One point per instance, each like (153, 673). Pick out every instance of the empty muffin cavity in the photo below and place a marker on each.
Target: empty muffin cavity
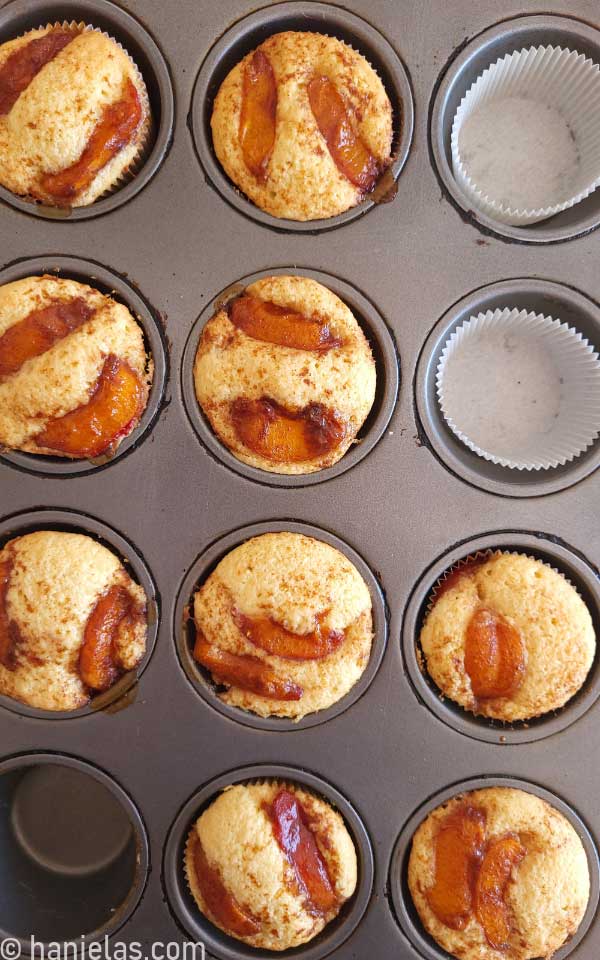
(90, 847)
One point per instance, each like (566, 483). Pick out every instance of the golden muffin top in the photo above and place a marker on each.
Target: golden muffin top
(268, 897)
(508, 637)
(74, 375)
(285, 375)
(284, 623)
(62, 595)
(80, 118)
(303, 126)
(528, 871)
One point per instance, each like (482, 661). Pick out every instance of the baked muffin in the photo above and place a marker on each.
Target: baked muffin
(303, 126)
(71, 620)
(74, 375)
(270, 863)
(508, 637)
(284, 624)
(74, 115)
(498, 872)
(285, 376)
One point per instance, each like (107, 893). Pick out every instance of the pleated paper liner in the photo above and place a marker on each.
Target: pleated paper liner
(526, 137)
(520, 389)
(146, 129)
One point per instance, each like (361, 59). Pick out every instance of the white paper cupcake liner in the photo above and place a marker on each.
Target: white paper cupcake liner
(520, 389)
(146, 126)
(526, 137)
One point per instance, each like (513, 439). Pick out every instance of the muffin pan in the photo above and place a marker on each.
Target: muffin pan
(106, 888)
(172, 501)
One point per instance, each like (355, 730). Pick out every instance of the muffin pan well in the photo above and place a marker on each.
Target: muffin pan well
(72, 522)
(184, 632)
(383, 347)
(489, 46)
(542, 547)
(112, 284)
(398, 885)
(325, 18)
(197, 926)
(402, 504)
(90, 848)
(540, 296)
(19, 16)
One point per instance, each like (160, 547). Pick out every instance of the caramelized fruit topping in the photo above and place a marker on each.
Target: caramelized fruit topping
(114, 406)
(115, 613)
(39, 330)
(8, 630)
(278, 434)
(290, 826)
(459, 849)
(223, 906)
(269, 635)
(114, 130)
(267, 321)
(19, 69)
(494, 655)
(258, 114)
(502, 856)
(351, 156)
(244, 672)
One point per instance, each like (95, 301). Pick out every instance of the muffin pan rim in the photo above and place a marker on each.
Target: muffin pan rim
(576, 568)
(373, 324)
(125, 22)
(398, 893)
(61, 519)
(173, 875)
(33, 758)
(206, 562)
(442, 90)
(439, 438)
(243, 28)
(67, 266)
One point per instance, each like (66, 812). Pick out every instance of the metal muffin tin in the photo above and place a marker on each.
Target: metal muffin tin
(412, 503)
